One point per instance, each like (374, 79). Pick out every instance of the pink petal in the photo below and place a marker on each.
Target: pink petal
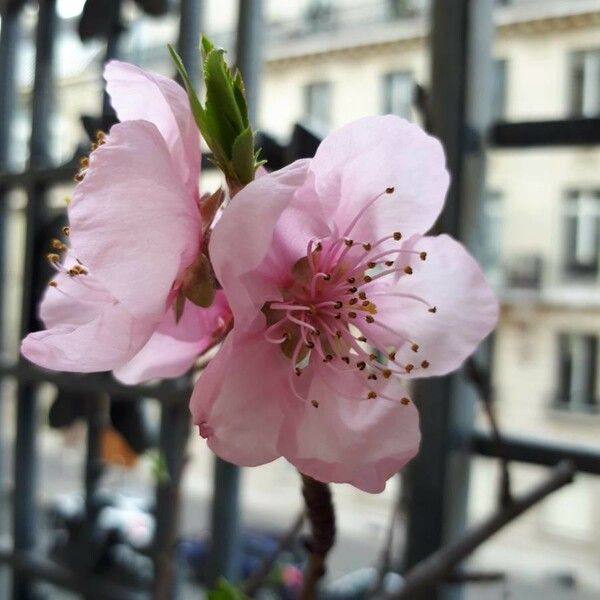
(467, 308)
(133, 225)
(138, 94)
(237, 401)
(173, 348)
(87, 329)
(359, 161)
(248, 232)
(361, 442)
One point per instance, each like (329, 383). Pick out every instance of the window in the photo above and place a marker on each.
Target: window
(398, 94)
(317, 105)
(320, 15)
(585, 83)
(498, 107)
(582, 224)
(577, 388)
(490, 232)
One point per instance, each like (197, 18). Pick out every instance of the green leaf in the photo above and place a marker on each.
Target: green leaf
(226, 591)
(243, 156)
(158, 466)
(221, 101)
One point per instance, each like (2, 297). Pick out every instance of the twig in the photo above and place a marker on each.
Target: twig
(475, 577)
(481, 381)
(253, 583)
(439, 565)
(321, 516)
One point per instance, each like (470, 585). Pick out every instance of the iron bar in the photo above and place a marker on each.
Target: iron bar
(567, 132)
(175, 417)
(437, 480)
(225, 530)
(536, 452)
(25, 466)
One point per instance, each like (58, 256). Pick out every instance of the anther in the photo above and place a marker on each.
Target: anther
(346, 359)
(367, 278)
(371, 265)
(349, 243)
(397, 235)
(327, 277)
(404, 401)
(362, 338)
(58, 245)
(409, 367)
(423, 255)
(372, 376)
(433, 309)
(372, 356)
(415, 347)
(338, 304)
(84, 162)
(361, 365)
(366, 303)
(351, 280)
(369, 319)
(100, 136)
(371, 395)
(328, 358)
(53, 257)
(78, 178)
(389, 190)
(317, 332)
(392, 356)
(53, 283)
(310, 344)
(425, 364)
(408, 270)
(314, 403)
(338, 334)
(353, 301)
(338, 316)
(389, 263)
(386, 373)
(298, 371)
(362, 295)
(318, 247)
(66, 230)
(367, 246)
(352, 314)
(352, 290)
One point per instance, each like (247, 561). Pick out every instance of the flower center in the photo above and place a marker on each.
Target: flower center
(329, 310)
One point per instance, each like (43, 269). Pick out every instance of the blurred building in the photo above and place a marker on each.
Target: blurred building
(328, 62)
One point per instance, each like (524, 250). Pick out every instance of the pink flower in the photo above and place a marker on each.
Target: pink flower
(134, 229)
(337, 297)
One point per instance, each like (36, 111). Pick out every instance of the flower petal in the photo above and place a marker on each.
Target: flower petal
(356, 163)
(173, 348)
(359, 442)
(466, 307)
(248, 232)
(87, 329)
(133, 225)
(237, 401)
(138, 94)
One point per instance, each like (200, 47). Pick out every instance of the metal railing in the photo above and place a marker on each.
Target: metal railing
(437, 481)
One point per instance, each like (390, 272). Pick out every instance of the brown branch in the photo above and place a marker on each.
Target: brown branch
(253, 583)
(437, 567)
(321, 516)
(481, 381)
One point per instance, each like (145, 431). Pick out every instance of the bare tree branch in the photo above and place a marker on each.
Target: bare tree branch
(440, 564)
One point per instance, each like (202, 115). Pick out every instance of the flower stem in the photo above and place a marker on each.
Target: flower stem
(321, 516)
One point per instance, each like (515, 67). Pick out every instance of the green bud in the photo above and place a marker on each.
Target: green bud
(223, 120)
